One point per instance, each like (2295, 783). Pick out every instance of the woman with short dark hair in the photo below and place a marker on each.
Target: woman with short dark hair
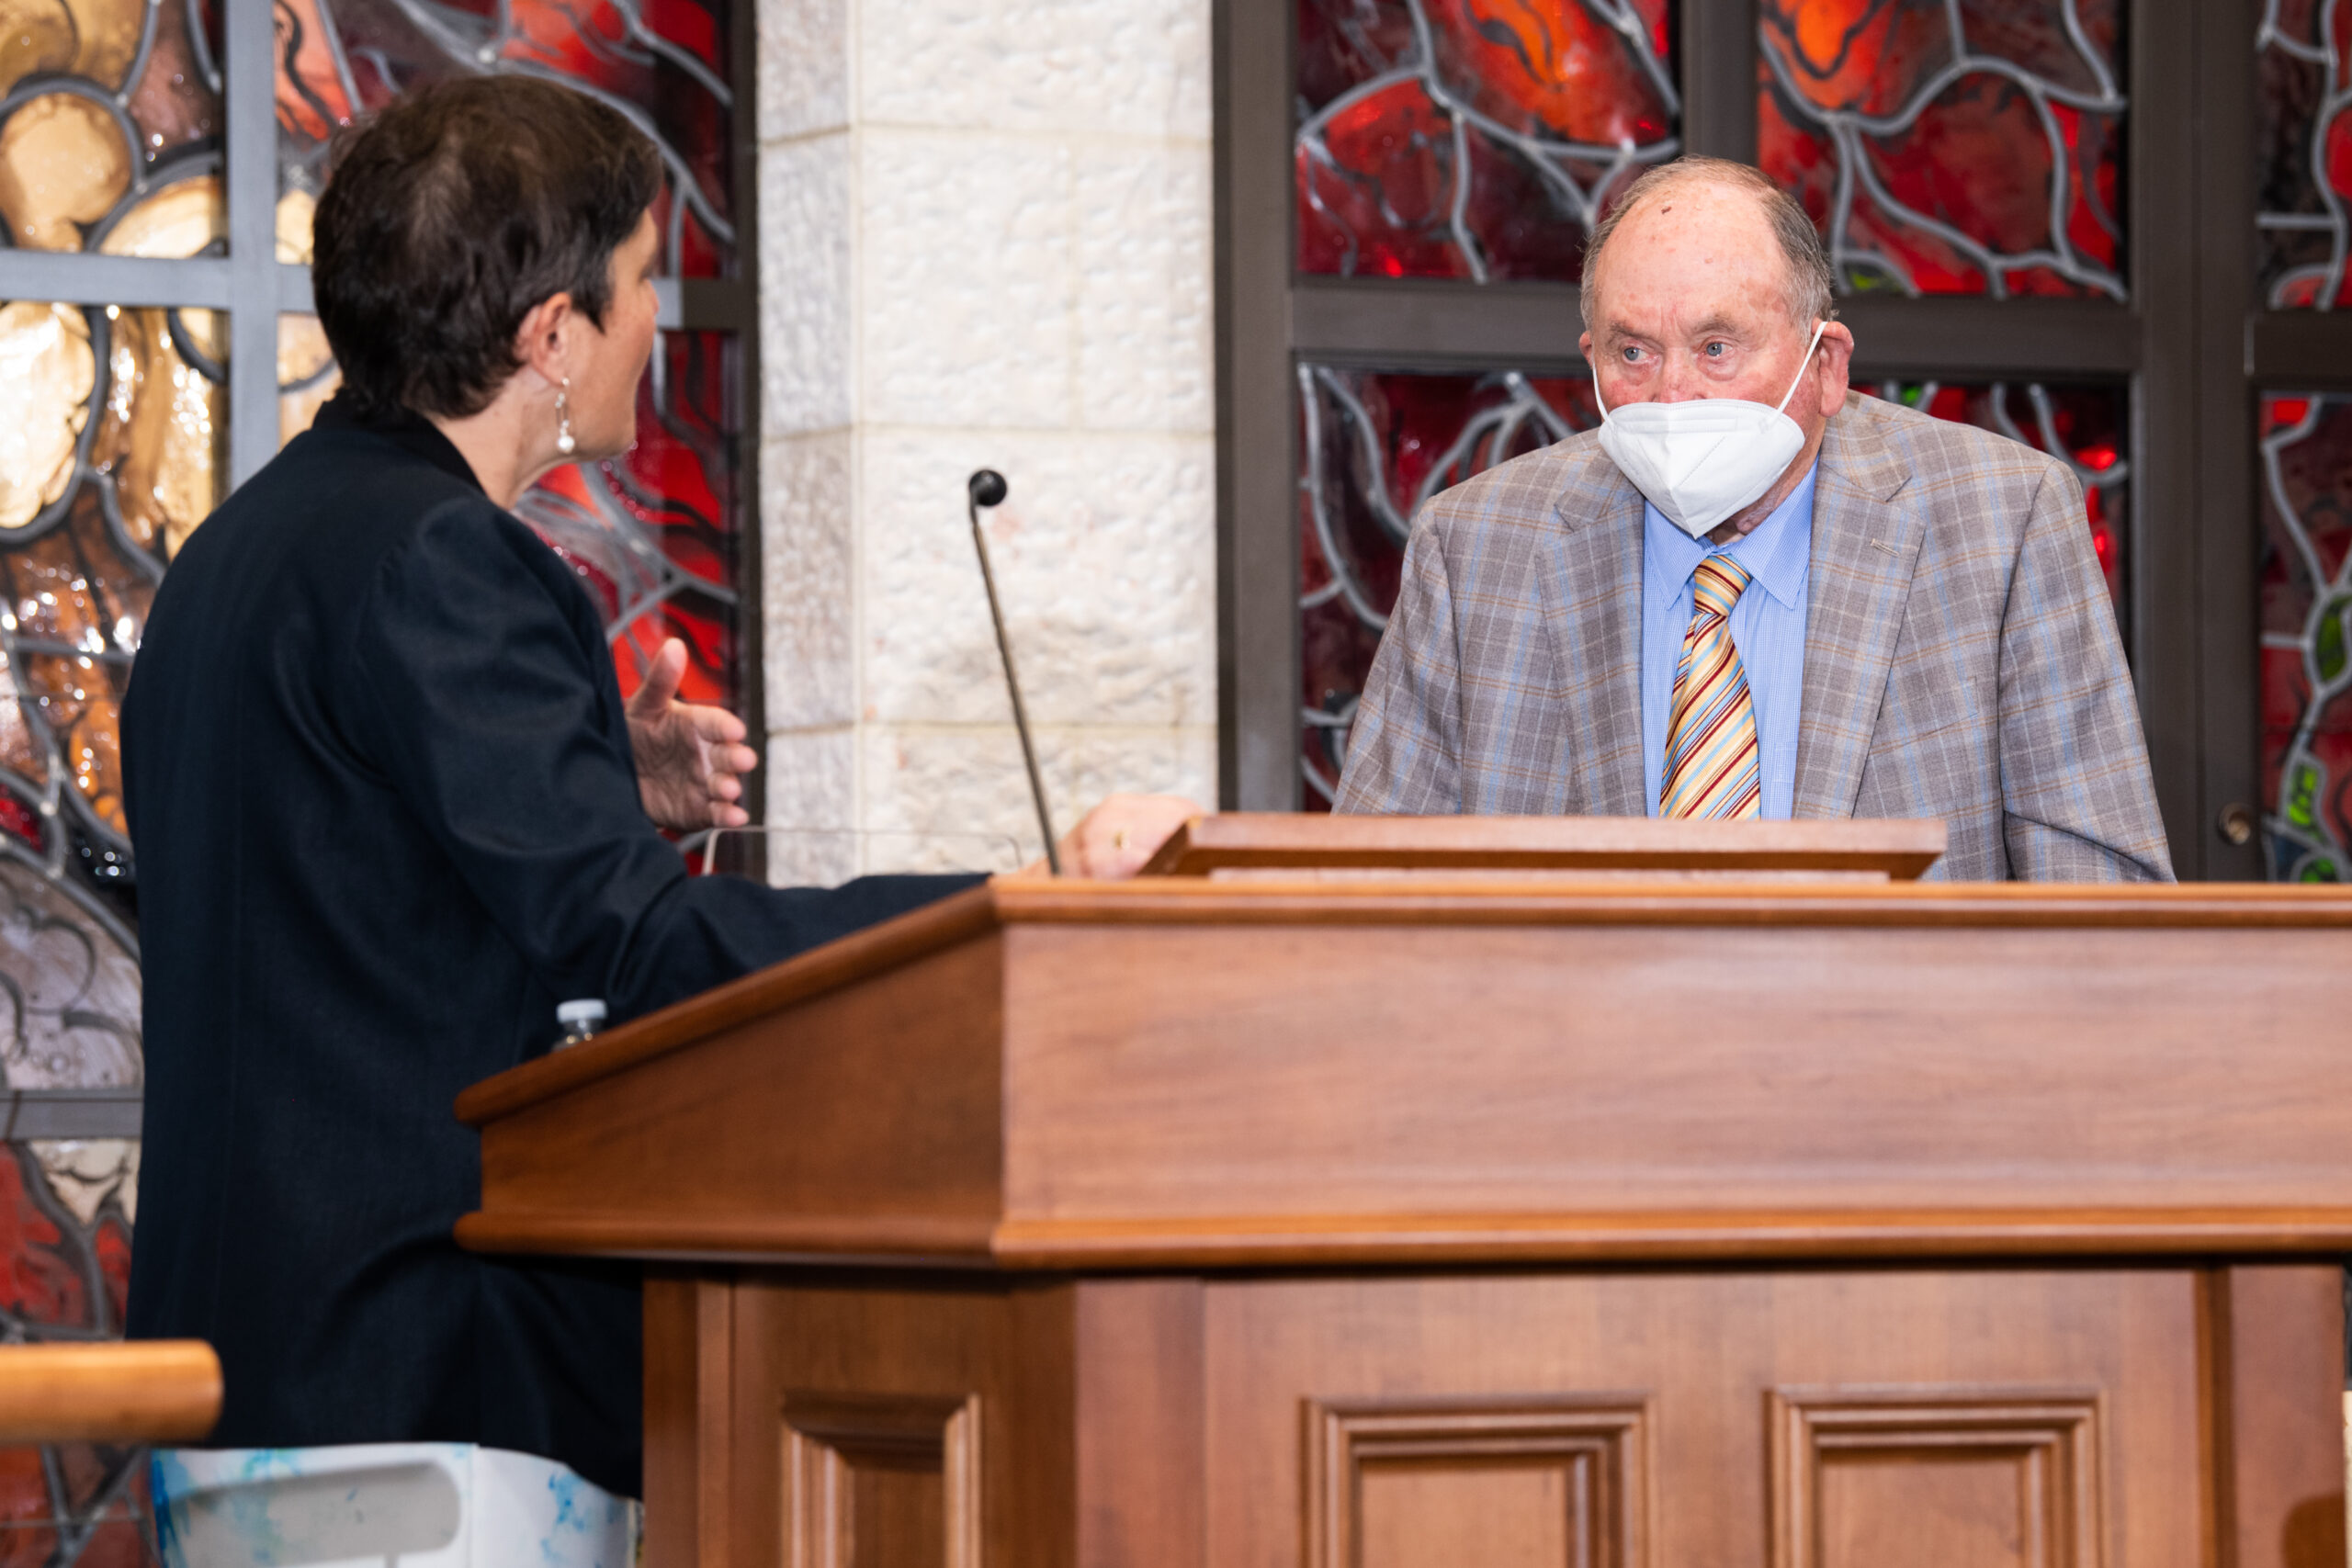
(389, 811)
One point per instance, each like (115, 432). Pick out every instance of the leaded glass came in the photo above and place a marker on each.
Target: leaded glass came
(1951, 146)
(1472, 138)
(2303, 109)
(2306, 583)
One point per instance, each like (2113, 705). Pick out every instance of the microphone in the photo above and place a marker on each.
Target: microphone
(987, 488)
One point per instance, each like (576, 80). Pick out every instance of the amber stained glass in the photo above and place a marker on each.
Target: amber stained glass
(2303, 148)
(1374, 445)
(1951, 146)
(1472, 138)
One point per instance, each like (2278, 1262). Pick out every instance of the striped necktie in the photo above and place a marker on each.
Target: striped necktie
(1711, 734)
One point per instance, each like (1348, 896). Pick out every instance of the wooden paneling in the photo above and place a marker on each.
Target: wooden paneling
(1200, 1093)
(934, 1418)
(1968, 1385)
(1141, 1442)
(867, 1123)
(689, 1389)
(2000, 1478)
(1525, 1482)
(2279, 1345)
(1177, 1073)
(881, 1482)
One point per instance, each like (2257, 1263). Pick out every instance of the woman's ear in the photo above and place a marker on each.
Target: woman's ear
(543, 343)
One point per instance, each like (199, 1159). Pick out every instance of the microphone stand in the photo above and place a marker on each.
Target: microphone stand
(987, 488)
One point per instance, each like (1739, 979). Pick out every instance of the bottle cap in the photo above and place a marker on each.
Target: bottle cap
(581, 1009)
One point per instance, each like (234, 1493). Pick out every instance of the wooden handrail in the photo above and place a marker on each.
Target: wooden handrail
(147, 1390)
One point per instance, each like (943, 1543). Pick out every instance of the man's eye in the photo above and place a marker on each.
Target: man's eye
(1631, 355)
(1716, 350)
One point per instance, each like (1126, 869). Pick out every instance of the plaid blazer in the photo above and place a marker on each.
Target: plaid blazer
(1960, 655)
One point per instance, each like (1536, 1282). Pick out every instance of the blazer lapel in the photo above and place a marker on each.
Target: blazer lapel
(1590, 578)
(1864, 548)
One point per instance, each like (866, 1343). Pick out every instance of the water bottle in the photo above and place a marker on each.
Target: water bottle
(581, 1018)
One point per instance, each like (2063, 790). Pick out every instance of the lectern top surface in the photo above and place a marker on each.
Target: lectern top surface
(1257, 842)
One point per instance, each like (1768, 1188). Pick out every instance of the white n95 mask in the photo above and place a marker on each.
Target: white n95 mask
(1701, 461)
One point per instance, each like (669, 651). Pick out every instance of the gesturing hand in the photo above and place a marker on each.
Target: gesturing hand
(690, 757)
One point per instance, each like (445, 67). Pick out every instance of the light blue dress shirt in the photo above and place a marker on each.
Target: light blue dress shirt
(1767, 626)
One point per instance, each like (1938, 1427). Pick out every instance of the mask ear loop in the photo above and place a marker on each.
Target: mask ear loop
(1783, 406)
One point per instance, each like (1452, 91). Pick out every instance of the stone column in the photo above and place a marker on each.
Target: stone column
(984, 231)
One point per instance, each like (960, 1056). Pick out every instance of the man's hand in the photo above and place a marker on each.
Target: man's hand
(690, 759)
(1112, 841)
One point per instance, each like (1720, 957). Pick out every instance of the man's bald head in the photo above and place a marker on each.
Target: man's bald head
(1805, 263)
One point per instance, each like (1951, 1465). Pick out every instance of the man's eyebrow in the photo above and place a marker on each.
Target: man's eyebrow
(1719, 326)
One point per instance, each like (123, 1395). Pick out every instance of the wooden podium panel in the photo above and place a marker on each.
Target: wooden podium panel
(1437, 1219)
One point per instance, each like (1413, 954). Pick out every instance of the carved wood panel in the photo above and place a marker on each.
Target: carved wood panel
(1549, 1482)
(1999, 1478)
(881, 1482)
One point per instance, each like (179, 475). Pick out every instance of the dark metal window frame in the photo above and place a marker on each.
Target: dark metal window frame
(255, 288)
(2193, 344)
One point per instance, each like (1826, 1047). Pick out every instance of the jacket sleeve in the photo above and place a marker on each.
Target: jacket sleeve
(1404, 756)
(500, 726)
(2078, 801)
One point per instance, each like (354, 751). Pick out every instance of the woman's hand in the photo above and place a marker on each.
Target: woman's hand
(690, 757)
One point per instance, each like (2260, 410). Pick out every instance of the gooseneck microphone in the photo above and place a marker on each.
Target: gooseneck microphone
(987, 488)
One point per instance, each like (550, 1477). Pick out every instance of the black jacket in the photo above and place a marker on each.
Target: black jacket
(381, 791)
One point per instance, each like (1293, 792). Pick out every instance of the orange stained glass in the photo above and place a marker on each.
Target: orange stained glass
(1951, 146)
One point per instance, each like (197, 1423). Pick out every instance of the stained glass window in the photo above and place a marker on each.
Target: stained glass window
(655, 534)
(1374, 445)
(115, 441)
(2303, 144)
(1472, 138)
(2084, 426)
(1951, 146)
(2306, 584)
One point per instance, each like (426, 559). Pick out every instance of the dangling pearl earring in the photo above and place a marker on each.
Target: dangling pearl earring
(563, 441)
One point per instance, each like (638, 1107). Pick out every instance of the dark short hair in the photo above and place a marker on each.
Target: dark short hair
(453, 213)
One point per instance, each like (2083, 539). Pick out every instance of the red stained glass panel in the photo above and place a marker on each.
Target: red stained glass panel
(1472, 138)
(2303, 147)
(662, 62)
(2306, 475)
(652, 534)
(1374, 445)
(1951, 146)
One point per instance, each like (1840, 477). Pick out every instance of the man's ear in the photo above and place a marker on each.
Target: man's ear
(543, 343)
(1836, 351)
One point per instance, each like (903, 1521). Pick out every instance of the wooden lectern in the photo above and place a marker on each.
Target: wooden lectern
(1372, 1193)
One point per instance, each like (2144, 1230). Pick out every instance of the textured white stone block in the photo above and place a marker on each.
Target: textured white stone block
(1146, 357)
(804, 67)
(812, 807)
(1105, 558)
(939, 800)
(808, 584)
(807, 332)
(965, 280)
(1124, 67)
(931, 792)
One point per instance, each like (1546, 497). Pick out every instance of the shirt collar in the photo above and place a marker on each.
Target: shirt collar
(1776, 552)
(404, 428)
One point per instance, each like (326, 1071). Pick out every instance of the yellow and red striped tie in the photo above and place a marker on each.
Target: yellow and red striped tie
(1710, 768)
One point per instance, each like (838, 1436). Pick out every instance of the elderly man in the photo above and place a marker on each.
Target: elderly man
(1755, 593)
